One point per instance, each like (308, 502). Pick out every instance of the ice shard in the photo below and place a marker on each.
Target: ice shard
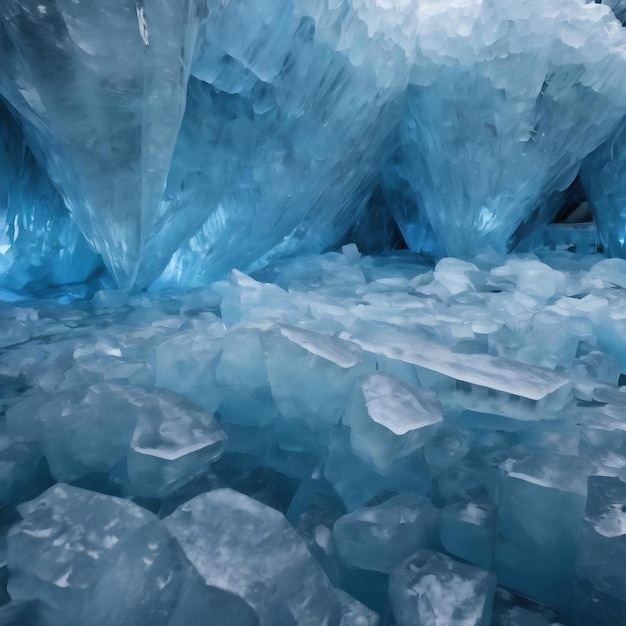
(101, 91)
(40, 245)
(286, 129)
(505, 100)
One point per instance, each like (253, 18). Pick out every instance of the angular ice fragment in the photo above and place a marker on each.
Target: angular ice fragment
(378, 538)
(480, 382)
(165, 439)
(540, 506)
(186, 362)
(603, 545)
(249, 550)
(311, 377)
(357, 482)
(431, 588)
(493, 102)
(353, 613)
(389, 419)
(468, 530)
(96, 559)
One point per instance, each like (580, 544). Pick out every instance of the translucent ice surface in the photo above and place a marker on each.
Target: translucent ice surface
(40, 244)
(246, 549)
(430, 587)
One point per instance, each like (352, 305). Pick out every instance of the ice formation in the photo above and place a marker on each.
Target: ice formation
(224, 391)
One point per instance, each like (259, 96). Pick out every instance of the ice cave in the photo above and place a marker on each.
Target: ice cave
(312, 313)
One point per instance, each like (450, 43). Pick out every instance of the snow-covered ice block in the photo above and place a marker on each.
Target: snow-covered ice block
(165, 439)
(378, 538)
(96, 559)
(250, 551)
(481, 382)
(389, 419)
(430, 587)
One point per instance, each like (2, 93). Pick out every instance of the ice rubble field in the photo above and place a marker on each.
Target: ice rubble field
(216, 408)
(439, 441)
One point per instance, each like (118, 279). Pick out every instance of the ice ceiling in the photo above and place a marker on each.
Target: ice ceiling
(227, 390)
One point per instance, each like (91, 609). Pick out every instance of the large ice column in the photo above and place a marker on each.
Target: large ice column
(604, 176)
(101, 89)
(505, 100)
(39, 242)
(290, 116)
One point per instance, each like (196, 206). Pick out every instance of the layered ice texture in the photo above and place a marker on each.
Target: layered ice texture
(188, 139)
(205, 412)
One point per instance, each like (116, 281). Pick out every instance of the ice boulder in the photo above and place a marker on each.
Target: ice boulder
(497, 92)
(431, 588)
(157, 439)
(378, 538)
(250, 551)
(96, 559)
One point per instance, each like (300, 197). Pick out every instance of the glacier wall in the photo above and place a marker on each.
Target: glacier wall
(189, 139)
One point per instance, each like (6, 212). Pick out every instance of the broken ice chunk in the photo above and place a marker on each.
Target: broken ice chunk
(353, 613)
(245, 548)
(242, 374)
(378, 538)
(480, 382)
(173, 442)
(468, 530)
(602, 549)
(186, 362)
(357, 482)
(389, 419)
(311, 375)
(98, 560)
(431, 588)
(166, 439)
(540, 505)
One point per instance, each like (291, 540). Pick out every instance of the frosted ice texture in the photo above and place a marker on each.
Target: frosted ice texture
(287, 124)
(249, 550)
(432, 588)
(39, 243)
(96, 559)
(498, 90)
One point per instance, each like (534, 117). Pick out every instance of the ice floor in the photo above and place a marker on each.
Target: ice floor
(340, 439)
